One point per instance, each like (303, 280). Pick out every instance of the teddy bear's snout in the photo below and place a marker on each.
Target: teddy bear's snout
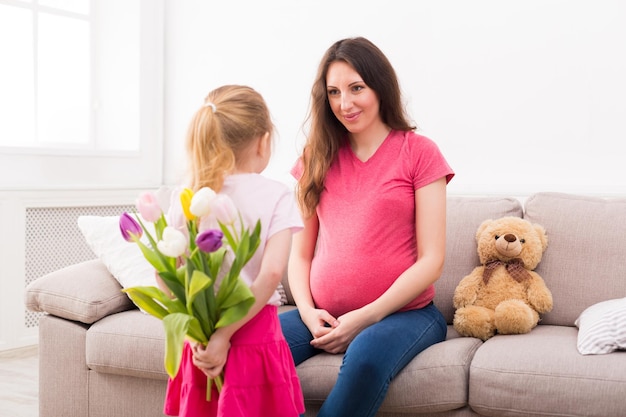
(509, 237)
(508, 245)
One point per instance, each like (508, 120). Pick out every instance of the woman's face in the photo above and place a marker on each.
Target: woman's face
(353, 103)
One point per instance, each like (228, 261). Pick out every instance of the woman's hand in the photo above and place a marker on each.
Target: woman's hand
(212, 357)
(319, 322)
(337, 338)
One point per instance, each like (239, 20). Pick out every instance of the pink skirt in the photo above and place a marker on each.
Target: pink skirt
(260, 378)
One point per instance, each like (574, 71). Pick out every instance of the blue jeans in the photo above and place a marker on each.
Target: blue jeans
(373, 358)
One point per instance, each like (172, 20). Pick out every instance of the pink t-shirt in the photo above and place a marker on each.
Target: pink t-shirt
(367, 221)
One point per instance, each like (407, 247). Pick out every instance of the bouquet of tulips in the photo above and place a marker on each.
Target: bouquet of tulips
(199, 260)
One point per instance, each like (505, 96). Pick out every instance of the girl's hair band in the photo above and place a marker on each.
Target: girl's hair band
(211, 105)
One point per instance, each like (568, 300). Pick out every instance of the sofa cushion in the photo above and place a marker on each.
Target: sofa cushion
(130, 343)
(584, 262)
(83, 292)
(542, 373)
(464, 215)
(413, 390)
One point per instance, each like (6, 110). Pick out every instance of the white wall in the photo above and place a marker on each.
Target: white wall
(522, 96)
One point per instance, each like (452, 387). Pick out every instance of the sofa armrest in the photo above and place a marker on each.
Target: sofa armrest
(84, 292)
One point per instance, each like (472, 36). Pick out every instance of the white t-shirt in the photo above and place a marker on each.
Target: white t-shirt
(258, 197)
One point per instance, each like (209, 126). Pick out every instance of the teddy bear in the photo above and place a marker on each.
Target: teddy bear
(504, 294)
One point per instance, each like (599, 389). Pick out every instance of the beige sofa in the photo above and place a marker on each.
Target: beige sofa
(101, 357)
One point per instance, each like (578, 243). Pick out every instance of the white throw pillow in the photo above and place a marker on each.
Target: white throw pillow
(123, 259)
(602, 327)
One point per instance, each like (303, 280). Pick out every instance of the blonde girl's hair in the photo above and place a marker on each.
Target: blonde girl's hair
(326, 133)
(221, 130)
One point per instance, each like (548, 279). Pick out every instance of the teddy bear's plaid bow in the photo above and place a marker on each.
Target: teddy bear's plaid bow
(514, 267)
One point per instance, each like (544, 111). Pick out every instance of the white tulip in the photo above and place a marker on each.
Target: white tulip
(173, 244)
(201, 202)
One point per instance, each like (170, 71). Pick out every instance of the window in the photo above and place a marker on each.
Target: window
(81, 89)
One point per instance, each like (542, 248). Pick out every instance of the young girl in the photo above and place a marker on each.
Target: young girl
(228, 145)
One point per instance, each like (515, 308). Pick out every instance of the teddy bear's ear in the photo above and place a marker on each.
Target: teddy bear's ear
(482, 227)
(543, 237)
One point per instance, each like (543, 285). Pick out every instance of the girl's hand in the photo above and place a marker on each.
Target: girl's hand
(212, 357)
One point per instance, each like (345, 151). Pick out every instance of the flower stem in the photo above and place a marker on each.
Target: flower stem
(219, 382)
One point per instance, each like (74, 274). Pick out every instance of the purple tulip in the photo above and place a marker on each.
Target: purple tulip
(130, 228)
(210, 240)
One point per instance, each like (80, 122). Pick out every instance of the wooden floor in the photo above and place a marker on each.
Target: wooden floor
(19, 371)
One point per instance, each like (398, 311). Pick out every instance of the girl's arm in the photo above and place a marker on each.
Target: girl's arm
(212, 358)
(430, 224)
(302, 252)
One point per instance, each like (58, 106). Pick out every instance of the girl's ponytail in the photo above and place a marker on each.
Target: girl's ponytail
(220, 131)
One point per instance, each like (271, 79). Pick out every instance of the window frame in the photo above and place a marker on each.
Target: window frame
(72, 167)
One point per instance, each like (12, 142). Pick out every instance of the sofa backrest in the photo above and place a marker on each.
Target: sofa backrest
(585, 261)
(464, 215)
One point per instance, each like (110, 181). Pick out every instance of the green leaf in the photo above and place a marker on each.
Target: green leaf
(205, 312)
(152, 256)
(215, 261)
(159, 226)
(197, 285)
(234, 313)
(173, 281)
(235, 304)
(146, 302)
(154, 301)
(199, 282)
(195, 332)
(240, 256)
(176, 326)
(228, 235)
(192, 228)
(240, 292)
(255, 240)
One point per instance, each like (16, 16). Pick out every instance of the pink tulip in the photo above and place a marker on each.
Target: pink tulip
(148, 206)
(224, 210)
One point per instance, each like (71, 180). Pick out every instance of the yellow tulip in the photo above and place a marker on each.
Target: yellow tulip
(185, 200)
